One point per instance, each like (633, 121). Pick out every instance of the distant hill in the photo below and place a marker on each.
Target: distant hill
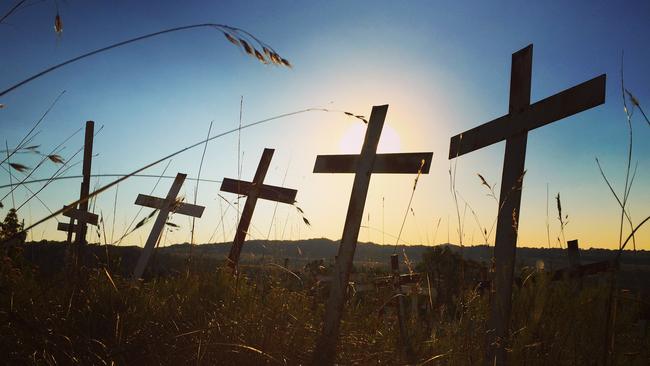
(50, 257)
(378, 255)
(372, 253)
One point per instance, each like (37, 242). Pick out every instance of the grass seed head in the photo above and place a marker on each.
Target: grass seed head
(19, 167)
(260, 57)
(232, 39)
(285, 62)
(247, 47)
(58, 24)
(483, 181)
(55, 158)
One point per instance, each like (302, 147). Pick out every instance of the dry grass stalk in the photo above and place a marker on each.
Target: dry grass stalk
(562, 219)
(228, 31)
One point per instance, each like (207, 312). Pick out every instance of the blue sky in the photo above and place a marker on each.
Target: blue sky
(443, 67)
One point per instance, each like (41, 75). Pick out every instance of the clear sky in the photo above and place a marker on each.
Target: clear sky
(443, 67)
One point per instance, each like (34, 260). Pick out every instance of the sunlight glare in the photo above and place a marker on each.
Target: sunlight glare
(352, 140)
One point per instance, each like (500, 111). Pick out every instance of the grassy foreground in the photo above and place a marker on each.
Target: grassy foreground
(268, 316)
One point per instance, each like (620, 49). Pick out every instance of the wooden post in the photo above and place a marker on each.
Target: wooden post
(509, 202)
(404, 340)
(513, 127)
(166, 205)
(80, 237)
(253, 190)
(573, 253)
(363, 166)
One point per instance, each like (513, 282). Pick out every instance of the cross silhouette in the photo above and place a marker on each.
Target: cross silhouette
(165, 205)
(81, 218)
(514, 127)
(363, 166)
(253, 190)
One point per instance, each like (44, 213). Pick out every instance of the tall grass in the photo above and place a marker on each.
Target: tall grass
(209, 317)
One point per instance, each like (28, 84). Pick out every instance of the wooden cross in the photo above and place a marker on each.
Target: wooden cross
(253, 190)
(362, 166)
(514, 127)
(81, 214)
(165, 205)
(578, 270)
(81, 218)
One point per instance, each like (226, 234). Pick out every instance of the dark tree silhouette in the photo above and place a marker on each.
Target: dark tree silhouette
(12, 229)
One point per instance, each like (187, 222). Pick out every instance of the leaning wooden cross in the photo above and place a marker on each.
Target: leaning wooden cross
(166, 206)
(253, 190)
(513, 128)
(81, 214)
(363, 166)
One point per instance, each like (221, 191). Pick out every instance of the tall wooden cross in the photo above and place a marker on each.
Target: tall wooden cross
(514, 127)
(165, 205)
(81, 214)
(253, 190)
(362, 166)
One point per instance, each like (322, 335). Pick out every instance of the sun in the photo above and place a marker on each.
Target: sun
(352, 139)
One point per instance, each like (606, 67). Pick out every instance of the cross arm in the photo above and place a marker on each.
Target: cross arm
(267, 192)
(566, 103)
(64, 226)
(81, 216)
(159, 203)
(403, 163)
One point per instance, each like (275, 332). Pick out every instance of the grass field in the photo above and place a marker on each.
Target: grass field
(199, 314)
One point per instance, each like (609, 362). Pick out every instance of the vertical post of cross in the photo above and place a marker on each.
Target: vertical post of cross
(85, 183)
(80, 228)
(326, 346)
(510, 200)
(80, 237)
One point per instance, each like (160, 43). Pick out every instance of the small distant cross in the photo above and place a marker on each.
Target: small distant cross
(362, 166)
(514, 127)
(253, 190)
(81, 218)
(165, 205)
